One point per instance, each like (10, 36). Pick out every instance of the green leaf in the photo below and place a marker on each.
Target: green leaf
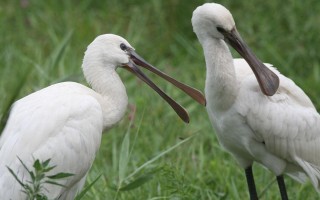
(24, 165)
(142, 179)
(54, 183)
(48, 169)
(41, 197)
(15, 176)
(137, 182)
(41, 176)
(32, 176)
(37, 165)
(86, 189)
(46, 163)
(28, 189)
(60, 175)
(124, 156)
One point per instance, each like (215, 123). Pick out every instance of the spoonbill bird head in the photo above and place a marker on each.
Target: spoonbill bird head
(213, 21)
(106, 49)
(208, 17)
(114, 51)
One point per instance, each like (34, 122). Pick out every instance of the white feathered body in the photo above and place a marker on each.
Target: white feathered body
(282, 131)
(63, 123)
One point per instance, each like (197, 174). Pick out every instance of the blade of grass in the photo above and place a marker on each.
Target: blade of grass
(124, 156)
(159, 156)
(86, 189)
(14, 95)
(60, 175)
(137, 133)
(58, 52)
(266, 188)
(15, 176)
(144, 178)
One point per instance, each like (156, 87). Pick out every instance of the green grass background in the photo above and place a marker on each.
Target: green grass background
(42, 42)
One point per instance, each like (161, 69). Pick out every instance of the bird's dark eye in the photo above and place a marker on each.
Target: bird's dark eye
(123, 47)
(220, 29)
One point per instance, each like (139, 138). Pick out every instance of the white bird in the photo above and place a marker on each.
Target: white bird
(274, 125)
(64, 121)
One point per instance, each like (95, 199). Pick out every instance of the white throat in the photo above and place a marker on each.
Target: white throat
(221, 84)
(110, 91)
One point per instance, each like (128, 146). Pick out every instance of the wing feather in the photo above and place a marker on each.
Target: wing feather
(51, 123)
(287, 123)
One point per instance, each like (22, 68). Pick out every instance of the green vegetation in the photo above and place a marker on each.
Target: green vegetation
(35, 186)
(42, 42)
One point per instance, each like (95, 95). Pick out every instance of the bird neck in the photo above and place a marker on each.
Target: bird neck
(221, 83)
(110, 91)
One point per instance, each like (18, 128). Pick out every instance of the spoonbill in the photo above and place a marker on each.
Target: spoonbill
(258, 114)
(64, 122)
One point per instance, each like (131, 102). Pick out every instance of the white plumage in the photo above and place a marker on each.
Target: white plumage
(39, 129)
(64, 121)
(282, 132)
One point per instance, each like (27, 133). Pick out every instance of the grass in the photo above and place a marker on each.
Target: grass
(42, 42)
